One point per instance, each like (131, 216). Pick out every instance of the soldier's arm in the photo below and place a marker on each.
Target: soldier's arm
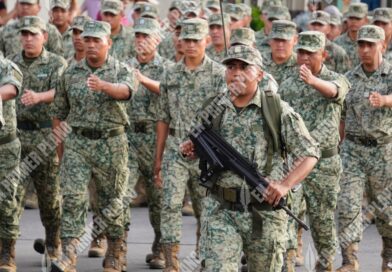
(8, 92)
(150, 84)
(30, 98)
(325, 88)
(162, 130)
(117, 91)
(59, 145)
(380, 101)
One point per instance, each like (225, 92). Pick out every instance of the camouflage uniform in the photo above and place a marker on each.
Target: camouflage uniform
(384, 15)
(357, 10)
(103, 157)
(10, 42)
(179, 89)
(227, 232)
(286, 30)
(141, 134)
(321, 116)
(10, 155)
(34, 125)
(244, 36)
(216, 19)
(366, 154)
(274, 13)
(166, 48)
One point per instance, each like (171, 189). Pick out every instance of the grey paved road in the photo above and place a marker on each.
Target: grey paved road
(141, 236)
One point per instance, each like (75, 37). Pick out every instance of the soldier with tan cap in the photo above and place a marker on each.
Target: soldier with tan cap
(59, 14)
(356, 18)
(336, 26)
(337, 59)
(77, 28)
(216, 50)
(9, 37)
(243, 36)
(382, 17)
(112, 12)
(213, 6)
(367, 151)
(237, 15)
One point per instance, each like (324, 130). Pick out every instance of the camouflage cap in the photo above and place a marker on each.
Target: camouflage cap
(357, 10)
(194, 29)
(283, 29)
(243, 36)
(29, 1)
(216, 19)
(33, 24)
(176, 4)
(279, 13)
(79, 21)
(246, 8)
(311, 41)
(146, 26)
(235, 11)
(213, 4)
(371, 33)
(149, 11)
(244, 53)
(179, 23)
(112, 6)
(96, 29)
(64, 4)
(335, 20)
(194, 10)
(267, 3)
(320, 17)
(383, 15)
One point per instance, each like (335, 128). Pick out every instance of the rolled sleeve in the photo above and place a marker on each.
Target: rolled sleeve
(127, 76)
(60, 107)
(163, 105)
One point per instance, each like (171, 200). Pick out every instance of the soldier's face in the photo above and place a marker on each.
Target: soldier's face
(77, 40)
(235, 24)
(354, 23)
(194, 48)
(96, 48)
(281, 48)
(60, 16)
(370, 52)
(386, 26)
(113, 19)
(242, 78)
(336, 30)
(177, 42)
(312, 60)
(33, 43)
(320, 27)
(25, 9)
(216, 34)
(173, 16)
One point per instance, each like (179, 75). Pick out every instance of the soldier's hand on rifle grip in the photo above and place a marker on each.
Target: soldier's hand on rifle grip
(274, 193)
(187, 149)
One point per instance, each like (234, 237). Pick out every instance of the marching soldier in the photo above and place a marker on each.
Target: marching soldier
(91, 97)
(367, 149)
(216, 50)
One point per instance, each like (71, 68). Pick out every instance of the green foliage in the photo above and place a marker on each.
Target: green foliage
(256, 23)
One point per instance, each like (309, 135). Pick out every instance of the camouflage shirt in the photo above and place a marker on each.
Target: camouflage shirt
(39, 76)
(184, 91)
(123, 46)
(68, 44)
(144, 102)
(262, 42)
(350, 47)
(321, 115)
(81, 107)
(166, 48)
(10, 39)
(337, 60)
(360, 117)
(216, 56)
(244, 130)
(280, 71)
(9, 74)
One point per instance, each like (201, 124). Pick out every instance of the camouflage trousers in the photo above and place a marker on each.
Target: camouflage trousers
(103, 161)
(141, 163)
(320, 191)
(37, 146)
(9, 183)
(297, 205)
(177, 174)
(226, 234)
(364, 168)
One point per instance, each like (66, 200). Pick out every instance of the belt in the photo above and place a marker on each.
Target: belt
(369, 142)
(236, 199)
(144, 127)
(328, 153)
(8, 138)
(30, 125)
(94, 134)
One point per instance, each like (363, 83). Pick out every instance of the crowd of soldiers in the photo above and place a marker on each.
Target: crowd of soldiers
(88, 107)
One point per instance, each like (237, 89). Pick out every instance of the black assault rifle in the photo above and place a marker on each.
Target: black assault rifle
(217, 155)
